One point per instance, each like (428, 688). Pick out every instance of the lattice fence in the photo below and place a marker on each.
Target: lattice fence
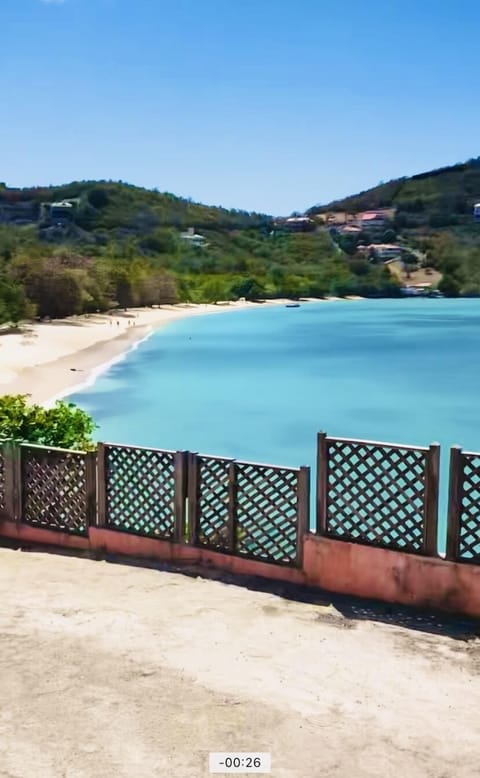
(213, 504)
(463, 541)
(379, 494)
(258, 511)
(267, 512)
(138, 490)
(2, 478)
(54, 489)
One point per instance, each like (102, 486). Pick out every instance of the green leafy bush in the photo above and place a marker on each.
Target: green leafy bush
(65, 425)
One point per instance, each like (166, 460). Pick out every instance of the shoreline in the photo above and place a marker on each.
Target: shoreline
(50, 361)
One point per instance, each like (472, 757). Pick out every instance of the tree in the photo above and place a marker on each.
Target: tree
(63, 426)
(13, 303)
(98, 197)
(450, 286)
(214, 290)
(56, 293)
(249, 288)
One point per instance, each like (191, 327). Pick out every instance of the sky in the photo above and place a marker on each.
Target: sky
(263, 105)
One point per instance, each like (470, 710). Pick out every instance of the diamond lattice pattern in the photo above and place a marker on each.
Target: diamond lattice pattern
(376, 494)
(469, 540)
(267, 500)
(140, 491)
(213, 503)
(2, 479)
(54, 489)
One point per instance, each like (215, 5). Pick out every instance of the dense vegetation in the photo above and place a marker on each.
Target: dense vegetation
(64, 425)
(123, 247)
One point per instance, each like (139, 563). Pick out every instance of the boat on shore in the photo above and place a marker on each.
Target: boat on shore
(292, 305)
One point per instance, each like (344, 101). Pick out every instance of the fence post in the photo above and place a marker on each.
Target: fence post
(430, 514)
(232, 507)
(180, 478)
(322, 484)
(9, 480)
(193, 488)
(13, 480)
(455, 496)
(91, 488)
(303, 511)
(102, 506)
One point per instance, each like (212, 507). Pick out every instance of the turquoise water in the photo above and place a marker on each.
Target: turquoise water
(258, 384)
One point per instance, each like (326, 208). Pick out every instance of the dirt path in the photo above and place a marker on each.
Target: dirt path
(109, 671)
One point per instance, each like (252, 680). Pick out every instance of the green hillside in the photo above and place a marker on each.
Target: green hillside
(114, 244)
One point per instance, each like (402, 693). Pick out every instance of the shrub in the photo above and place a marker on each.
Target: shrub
(65, 425)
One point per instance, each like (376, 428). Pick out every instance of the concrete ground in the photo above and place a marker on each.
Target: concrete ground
(111, 671)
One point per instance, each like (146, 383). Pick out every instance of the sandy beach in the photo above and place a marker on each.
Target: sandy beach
(48, 359)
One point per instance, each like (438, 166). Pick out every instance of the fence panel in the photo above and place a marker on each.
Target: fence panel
(3, 503)
(463, 532)
(57, 488)
(211, 505)
(267, 512)
(137, 491)
(247, 509)
(380, 494)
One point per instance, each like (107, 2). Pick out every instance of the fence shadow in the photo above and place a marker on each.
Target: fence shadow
(349, 609)
(346, 611)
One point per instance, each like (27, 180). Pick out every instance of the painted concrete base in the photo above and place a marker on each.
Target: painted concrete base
(392, 576)
(330, 565)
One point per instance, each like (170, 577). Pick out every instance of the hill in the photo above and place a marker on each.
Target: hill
(89, 246)
(432, 217)
(437, 198)
(109, 205)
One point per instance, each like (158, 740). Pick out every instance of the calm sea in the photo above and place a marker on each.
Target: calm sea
(258, 384)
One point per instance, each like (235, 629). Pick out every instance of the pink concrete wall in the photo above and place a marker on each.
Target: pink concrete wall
(392, 576)
(108, 541)
(331, 565)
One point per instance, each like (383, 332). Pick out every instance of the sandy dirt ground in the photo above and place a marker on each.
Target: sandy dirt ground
(113, 671)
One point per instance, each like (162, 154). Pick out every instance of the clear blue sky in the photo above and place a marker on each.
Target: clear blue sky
(259, 104)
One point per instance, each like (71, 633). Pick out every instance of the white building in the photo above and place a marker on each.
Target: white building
(476, 212)
(192, 237)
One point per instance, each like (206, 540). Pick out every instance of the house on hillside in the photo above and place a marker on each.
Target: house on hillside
(350, 229)
(299, 224)
(60, 213)
(386, 251)
(373, 222)
(339, 219)
(193, 238)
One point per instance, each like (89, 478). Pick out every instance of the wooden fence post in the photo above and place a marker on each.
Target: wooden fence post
(322, 484)
(102, 506)
(303, 511)
(8, 480)
(91, 488)
(455, 496)
(430, 513)
(193, 489)
(180, 478)
(232, 507)
(12, 480)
